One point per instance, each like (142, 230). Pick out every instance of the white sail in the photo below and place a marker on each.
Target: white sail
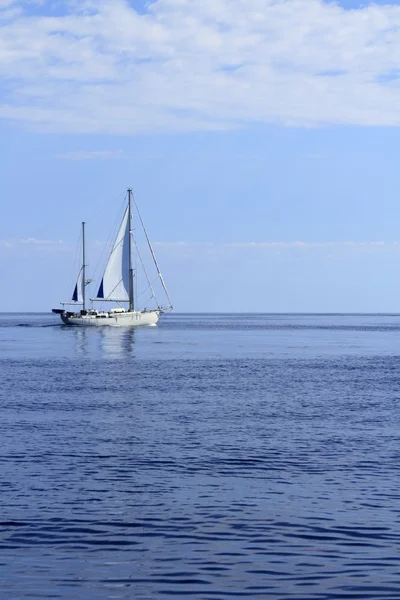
(77, 296)
(115, 282)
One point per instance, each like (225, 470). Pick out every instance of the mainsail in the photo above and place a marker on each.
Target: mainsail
(115, 281)
(77, 296)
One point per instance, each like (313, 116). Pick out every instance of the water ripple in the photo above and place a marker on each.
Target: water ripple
(178, 462)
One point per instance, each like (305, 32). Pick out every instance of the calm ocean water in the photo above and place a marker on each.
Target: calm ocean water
(212, 457)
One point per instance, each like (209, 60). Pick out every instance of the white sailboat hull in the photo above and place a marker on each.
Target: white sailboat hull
(125, 319)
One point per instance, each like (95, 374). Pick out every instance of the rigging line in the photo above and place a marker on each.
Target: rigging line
(117, 199)
(148, 288)
(135, 273)
(152, 253)
(112, 291)
(145, 272)
(76, 267)
(149, 300)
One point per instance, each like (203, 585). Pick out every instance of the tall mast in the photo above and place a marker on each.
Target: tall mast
(83, 267)
(131, 302)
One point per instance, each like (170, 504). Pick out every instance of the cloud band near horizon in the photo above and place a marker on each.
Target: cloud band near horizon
(50, 245)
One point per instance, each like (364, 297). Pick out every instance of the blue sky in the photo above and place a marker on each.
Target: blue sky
(261, 139)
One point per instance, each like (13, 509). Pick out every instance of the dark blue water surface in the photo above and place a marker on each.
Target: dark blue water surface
(211, 457)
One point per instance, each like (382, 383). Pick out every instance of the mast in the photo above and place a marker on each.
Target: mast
(83, 267)
(131, 302)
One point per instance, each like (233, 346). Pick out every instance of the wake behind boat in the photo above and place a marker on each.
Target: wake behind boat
(117, 285)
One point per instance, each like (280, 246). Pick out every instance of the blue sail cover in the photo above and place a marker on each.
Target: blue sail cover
(100, 293)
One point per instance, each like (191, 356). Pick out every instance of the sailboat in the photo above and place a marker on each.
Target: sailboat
(116, 285)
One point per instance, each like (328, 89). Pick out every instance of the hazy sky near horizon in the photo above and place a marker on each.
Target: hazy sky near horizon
(260, 137)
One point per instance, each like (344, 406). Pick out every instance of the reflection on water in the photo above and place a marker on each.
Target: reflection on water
(183, 337)
(81, 340)
(108, 342)
(117, 341)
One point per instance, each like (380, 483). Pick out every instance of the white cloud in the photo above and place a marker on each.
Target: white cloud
(193, 65)
(36, 241)
(8, 10)
(100, 154)
(247, 253)
(34, 244)
(204, 246)
(307, 244)
(265, 245)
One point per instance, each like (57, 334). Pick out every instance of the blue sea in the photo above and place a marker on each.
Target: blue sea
(212, 457)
